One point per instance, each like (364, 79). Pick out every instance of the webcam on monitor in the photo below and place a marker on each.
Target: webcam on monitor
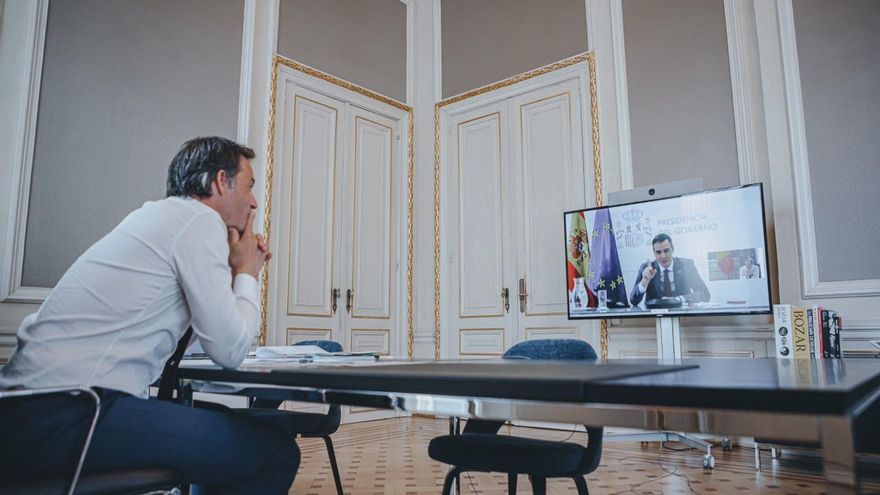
(656, 191)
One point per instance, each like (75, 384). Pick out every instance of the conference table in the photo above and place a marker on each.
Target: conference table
(832, 403)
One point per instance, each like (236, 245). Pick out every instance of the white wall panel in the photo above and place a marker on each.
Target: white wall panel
(295, 335)
(481, 341)
(371, 245)
(371, 340)
(312, 197)
(547, 179)
(552, 333)
(480, 219)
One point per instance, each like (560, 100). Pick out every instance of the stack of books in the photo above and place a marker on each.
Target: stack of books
(809, 333)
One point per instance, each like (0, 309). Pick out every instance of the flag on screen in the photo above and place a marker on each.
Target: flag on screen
(578, 249)
(604, 266)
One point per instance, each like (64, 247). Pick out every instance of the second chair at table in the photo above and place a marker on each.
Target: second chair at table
(479, 448)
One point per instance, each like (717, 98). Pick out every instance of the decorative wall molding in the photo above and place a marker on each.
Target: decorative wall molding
(289, 72)
(737, 15)
(259, 40)
(423, 73)
(581, 67)
(31, 19)
(438, 50)
(809, 262)
(244, 84)
(605, 38)
(410, 53)
(621, 94)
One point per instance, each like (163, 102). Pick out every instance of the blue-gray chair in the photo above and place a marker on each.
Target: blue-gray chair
(480, 448)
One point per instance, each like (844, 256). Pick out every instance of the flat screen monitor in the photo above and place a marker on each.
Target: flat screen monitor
(696, 254)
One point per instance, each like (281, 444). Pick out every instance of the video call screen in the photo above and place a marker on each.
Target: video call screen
(702, 253)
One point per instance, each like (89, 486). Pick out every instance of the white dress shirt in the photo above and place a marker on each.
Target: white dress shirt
(117, 314)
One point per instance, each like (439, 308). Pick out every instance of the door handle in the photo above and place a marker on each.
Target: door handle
(349, 300)
(334, 294)
(523, 295)
(505, 296)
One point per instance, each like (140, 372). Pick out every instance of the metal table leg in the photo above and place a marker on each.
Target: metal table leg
(838, 455)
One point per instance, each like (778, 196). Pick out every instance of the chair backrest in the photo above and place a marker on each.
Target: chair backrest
(327, 345)
(565, 349)
(168, 382)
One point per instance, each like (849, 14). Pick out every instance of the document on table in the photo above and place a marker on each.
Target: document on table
(288, 352)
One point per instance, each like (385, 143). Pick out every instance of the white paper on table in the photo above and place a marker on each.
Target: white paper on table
(288, 351)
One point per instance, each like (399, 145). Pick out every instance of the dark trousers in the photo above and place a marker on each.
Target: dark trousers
(219, 452)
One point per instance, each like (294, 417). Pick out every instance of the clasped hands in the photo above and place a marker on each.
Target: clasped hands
(247, 251)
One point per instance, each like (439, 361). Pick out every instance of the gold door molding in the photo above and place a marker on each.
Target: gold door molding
(278, 61)
(590, 59)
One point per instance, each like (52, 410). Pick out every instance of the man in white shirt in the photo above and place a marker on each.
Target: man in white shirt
(117, 314)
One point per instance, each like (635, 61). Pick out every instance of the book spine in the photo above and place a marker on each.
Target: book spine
(817, 320)
(826, 333)
(800, 340)
(835, 335)
(782, 331)
(811, 333)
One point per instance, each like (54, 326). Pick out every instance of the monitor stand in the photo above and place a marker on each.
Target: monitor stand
(668, 351)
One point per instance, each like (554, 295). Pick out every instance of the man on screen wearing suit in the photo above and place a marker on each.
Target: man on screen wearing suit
(668, 276)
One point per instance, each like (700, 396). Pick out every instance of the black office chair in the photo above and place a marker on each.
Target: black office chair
(54, 451)
(480, 448)
(304, 424)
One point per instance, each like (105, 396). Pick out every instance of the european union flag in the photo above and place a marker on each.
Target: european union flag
(604, 272)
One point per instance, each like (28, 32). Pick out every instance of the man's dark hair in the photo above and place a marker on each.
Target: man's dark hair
(660, 238)
(199, 160)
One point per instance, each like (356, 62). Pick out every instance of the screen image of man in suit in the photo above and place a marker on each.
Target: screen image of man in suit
(668, 276)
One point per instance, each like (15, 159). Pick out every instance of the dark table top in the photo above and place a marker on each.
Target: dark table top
(809, 386)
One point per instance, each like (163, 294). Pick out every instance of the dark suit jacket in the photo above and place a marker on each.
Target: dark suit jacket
(686, 279)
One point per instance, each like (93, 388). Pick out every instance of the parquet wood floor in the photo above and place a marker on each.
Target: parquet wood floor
(391, 457)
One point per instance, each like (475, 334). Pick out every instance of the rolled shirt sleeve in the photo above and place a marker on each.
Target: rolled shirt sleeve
(225, 315)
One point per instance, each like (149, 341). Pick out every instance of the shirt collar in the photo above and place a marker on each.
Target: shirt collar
(670, 267)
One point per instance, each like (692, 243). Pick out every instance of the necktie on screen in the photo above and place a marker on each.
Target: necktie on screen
(667, 284)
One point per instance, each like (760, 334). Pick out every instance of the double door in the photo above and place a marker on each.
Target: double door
(339, 229)
(514, 166)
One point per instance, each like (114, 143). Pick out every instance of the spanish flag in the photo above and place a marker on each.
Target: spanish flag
(578, 249)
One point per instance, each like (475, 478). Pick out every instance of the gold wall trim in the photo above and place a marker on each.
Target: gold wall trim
(277, 61)
(590, 59)
(437, 107)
